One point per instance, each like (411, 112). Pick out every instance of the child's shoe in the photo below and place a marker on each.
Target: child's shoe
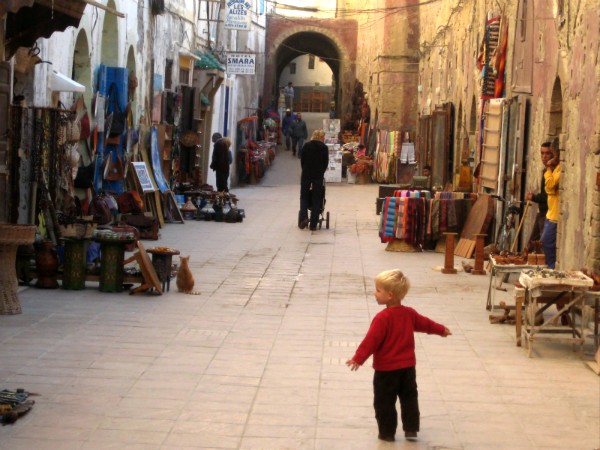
(386, 438)
(410, 435)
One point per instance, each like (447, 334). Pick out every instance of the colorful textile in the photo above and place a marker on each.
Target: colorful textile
(388, 221)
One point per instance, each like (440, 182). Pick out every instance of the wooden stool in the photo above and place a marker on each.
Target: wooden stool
(149, 275)
(449, 256)
(478, 268)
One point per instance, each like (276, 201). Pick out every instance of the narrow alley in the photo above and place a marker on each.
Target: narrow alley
(257, 360)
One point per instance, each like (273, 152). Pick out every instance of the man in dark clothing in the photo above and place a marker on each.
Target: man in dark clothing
(542, 200)
(299, 134)
(286, 128)
(220, 161)
(314, 162)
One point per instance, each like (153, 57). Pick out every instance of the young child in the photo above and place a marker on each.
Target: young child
(391, 341)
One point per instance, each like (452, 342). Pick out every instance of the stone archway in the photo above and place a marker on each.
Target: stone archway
(82, 71)
(555, 122)
(131, 67)
(110, 38)
(333, 40)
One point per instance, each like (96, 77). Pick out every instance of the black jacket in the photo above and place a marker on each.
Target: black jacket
(220, 157)
(314, 160)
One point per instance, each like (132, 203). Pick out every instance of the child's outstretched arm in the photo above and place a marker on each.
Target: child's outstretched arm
(352, 364)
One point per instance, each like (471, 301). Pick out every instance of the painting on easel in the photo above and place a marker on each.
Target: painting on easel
(141, 171)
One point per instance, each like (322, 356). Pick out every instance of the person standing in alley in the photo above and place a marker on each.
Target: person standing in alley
(288, 92)
(391, 341)
(551, 180)
(314, 162)
(221, 160)
(299, 133)
(286, 127)
(540, 198)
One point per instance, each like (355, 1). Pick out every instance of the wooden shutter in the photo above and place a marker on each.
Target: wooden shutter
(492, 137)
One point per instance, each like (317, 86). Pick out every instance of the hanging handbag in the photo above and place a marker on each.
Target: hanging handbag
(119, 121)
(83, 118)
(113, 169)
(84, 178)
(73, 130)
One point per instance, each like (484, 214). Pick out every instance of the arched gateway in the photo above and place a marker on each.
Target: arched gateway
(332, 40)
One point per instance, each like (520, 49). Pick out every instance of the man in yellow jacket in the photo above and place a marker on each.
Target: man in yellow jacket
(550, 158)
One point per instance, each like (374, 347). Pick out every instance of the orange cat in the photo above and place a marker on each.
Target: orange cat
(185, 279)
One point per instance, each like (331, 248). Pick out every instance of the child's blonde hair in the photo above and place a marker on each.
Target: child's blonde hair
(395, 282)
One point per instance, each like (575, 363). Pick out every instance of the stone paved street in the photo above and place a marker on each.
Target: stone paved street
(257, 360)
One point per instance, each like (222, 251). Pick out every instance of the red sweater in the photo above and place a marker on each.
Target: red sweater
(391, 339)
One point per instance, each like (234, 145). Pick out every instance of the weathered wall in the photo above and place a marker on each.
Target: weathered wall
(387, 58)
(564, 47)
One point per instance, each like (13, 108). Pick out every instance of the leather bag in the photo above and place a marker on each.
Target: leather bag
(147, 226)
(113, 169)
(119, 120)
(99, 210)
(85, 176)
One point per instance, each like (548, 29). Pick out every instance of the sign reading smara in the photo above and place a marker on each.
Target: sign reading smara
(238, 14)
(241, 64)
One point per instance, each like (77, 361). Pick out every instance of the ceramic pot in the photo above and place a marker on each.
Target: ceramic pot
(46, 263)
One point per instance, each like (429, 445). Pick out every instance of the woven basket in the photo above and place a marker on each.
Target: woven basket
(77, 230)
(189, 139)
(13, 234)
(73, 230)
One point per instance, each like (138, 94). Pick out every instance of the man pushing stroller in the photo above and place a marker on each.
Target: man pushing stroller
(314, 162)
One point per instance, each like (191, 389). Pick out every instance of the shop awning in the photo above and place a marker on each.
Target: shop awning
(208, 61)
(62, 83)
(29, 20)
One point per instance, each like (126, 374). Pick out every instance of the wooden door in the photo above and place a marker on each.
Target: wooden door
(517, 149)
(441, 145)
(4, 127)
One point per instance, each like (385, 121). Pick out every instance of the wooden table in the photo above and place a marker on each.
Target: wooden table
(498, 272)
(539, 295)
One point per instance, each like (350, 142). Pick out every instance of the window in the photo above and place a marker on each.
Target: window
(311, 62)
(523, 20)
(184, 76)
(169, 74)
(292, 68)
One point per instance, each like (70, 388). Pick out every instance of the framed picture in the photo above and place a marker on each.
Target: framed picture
(141, 172)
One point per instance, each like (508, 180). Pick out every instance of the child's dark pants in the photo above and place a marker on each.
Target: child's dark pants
(387, 386)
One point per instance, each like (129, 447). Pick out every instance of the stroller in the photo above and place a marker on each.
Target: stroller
(323, 216)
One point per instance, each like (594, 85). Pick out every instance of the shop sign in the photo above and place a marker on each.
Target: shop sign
(238, 14)
(241, 64)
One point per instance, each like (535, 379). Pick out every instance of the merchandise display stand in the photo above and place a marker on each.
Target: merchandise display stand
(541, 292)
(499, 273)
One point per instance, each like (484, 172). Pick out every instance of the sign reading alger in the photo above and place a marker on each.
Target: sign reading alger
(238, 14)
(241, 64)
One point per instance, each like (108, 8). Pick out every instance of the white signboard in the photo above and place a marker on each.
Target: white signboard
(238, 14)
(241, 64)
(333, 174)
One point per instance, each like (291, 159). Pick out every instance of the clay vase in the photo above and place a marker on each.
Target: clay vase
(46, 263)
